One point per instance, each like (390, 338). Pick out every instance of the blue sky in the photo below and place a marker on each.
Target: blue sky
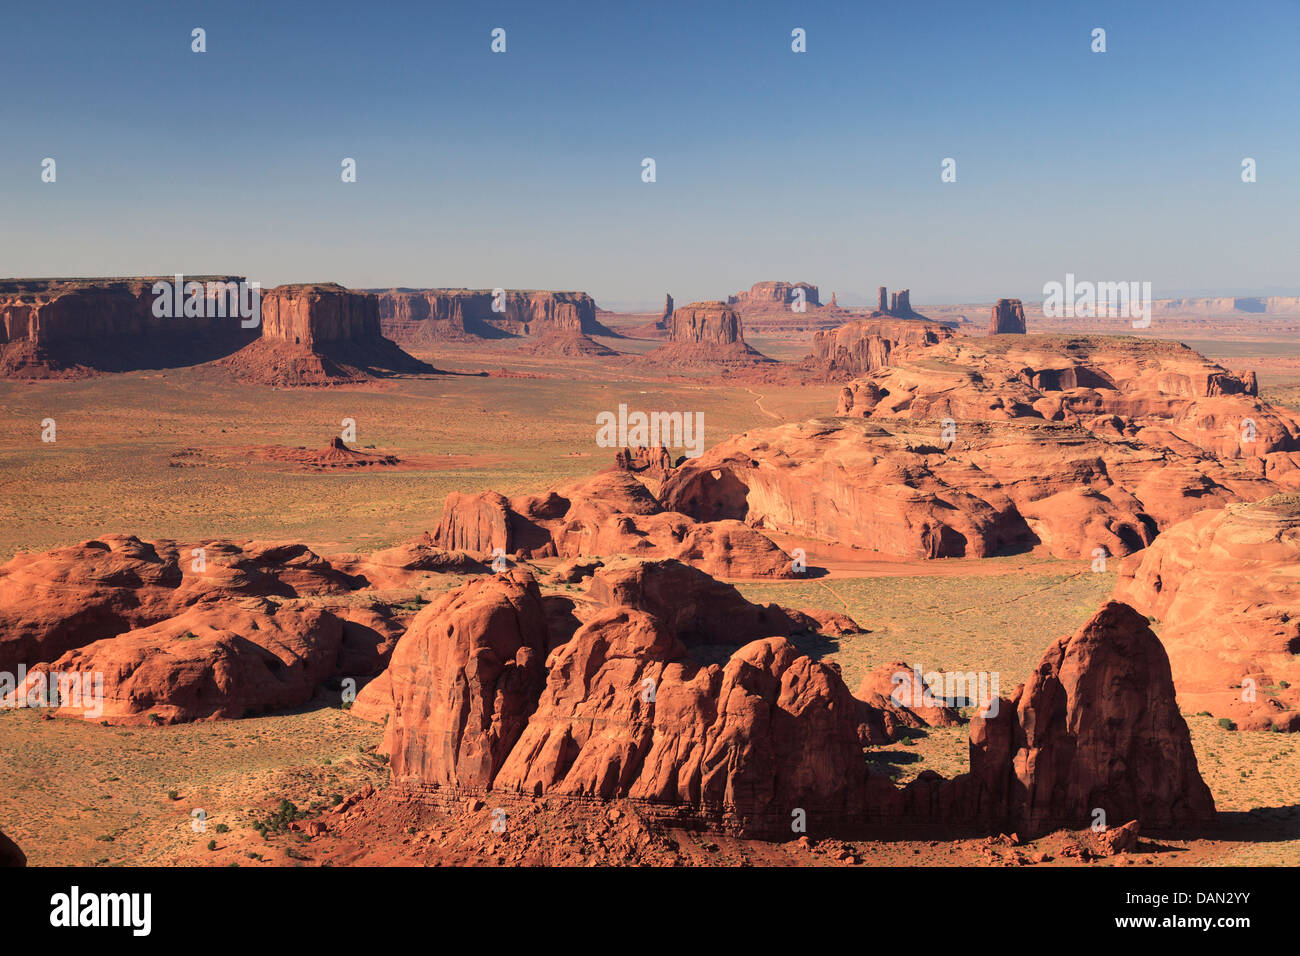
(523, 169)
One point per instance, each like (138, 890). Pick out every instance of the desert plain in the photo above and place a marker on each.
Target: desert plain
(194, 453)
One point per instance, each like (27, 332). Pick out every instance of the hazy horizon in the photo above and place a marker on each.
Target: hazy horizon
(523, 169)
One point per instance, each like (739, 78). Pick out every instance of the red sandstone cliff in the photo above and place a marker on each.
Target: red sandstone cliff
(75, 327)
(421, 316)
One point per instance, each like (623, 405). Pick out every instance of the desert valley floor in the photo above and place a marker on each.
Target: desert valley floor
(189, 454)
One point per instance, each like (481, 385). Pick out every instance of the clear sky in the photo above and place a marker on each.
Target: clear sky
(523, 169)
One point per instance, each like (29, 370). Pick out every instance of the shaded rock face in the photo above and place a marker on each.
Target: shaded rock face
(72, 327)
(611, 513)
(1224, 585)
(708, 323)
(768, 295)
(1097, 726)
(1008, 317)
(422, 316)
(863, 346)
(10, 855)
(1159, 394)
(902, 487)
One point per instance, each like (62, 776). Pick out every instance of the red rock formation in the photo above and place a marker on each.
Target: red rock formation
(1161, 394)
(1008, 317)
(705, 334)
(211, 661)
(73, 327)
(619, 709)
(774, 295)
(707, 323)
(1223, 584)
(53, 602)
(697, 608)
(898, 487)
(1096, 727)
(317, 335)
(611, 513)
(862, 346)
(568, 345)
(894, 689)
(419, 317)
(465, 679)
(312, 315)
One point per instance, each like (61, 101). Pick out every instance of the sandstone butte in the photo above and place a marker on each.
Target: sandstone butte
(421, 317)
(1223, 585)
(1008, 317)
(320, 334)
(483, 693)
(71, 328)
(704, 334)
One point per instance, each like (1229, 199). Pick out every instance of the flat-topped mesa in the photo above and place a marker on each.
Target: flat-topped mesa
(410, 316)
(320, 334)
(72, 327)
(774, 295)
(1008, 318)
(315, 314)
(711, 323)
(857, 348)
